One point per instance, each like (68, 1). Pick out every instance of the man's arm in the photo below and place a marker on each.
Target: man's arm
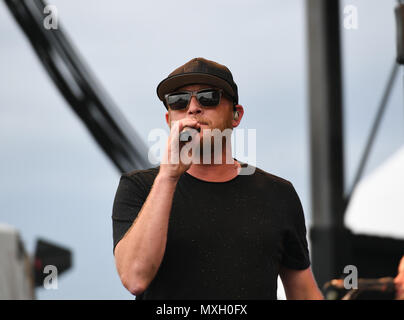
(300, 284)
(399, 281)
(139, 253)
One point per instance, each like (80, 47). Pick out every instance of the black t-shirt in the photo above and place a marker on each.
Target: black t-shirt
(226, 240)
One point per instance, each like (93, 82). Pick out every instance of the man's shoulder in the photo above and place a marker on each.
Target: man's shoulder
(267, 177)
(142, 172)
(144, 176)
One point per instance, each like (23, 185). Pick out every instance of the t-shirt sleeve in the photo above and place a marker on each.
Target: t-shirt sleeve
(129, 199)
(296, 252)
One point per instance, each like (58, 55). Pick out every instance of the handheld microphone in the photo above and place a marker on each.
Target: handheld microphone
(186, 134)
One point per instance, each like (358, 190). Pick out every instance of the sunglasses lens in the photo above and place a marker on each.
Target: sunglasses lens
(209, 98)
(178, 101)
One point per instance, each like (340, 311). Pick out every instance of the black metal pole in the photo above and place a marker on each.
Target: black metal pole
(75, 81)
(374, 130)
(329, 245)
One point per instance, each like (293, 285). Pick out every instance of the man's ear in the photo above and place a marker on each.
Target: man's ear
(168, 120)
(238, 112)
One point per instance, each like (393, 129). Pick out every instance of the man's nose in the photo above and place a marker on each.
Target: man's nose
(194, 106)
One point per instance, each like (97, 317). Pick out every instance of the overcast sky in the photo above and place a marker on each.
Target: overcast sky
(56, 183)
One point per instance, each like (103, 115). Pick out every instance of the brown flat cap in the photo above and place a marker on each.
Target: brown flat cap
(199, 71)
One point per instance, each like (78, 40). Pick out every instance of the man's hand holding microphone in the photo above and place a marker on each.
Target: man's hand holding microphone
(175, 162)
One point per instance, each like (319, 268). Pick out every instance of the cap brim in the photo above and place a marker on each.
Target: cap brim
(173, 83)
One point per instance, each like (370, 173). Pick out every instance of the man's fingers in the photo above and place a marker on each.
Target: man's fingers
(187, 123)
(178, 126)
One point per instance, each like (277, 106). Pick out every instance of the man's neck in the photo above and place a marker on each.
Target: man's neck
(215, 171)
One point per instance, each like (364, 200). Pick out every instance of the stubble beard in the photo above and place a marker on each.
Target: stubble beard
(220, 139)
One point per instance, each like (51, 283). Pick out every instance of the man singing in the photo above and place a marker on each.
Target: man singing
(200, 229)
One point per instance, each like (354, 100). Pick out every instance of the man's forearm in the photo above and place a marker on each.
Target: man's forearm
(300, 284)
(140, 252)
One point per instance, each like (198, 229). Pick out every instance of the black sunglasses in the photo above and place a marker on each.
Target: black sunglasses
(206, 97)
